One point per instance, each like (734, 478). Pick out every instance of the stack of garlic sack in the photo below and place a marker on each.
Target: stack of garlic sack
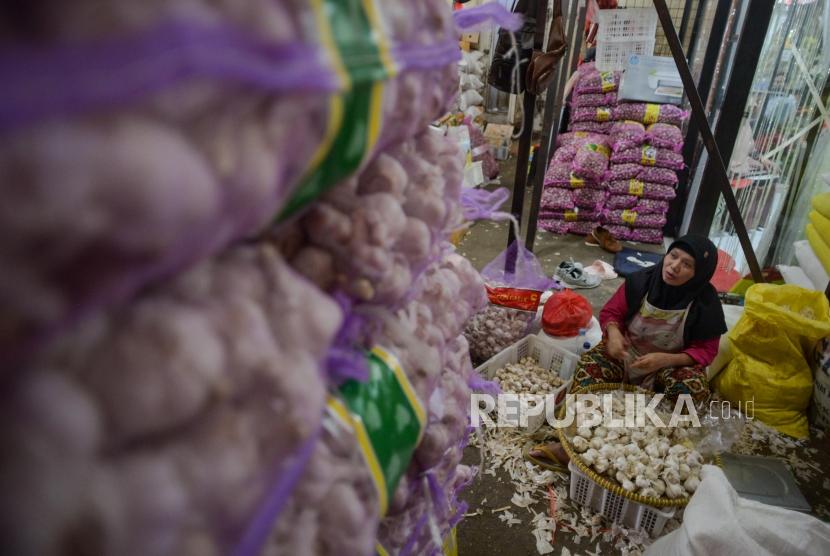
(211, 128)
(172, 292)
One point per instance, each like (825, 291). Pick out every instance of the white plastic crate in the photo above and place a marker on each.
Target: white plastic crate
(616, 508)
(549, 356)
(623, 32)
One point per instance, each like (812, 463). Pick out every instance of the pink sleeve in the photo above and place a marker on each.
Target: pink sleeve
(703, 351)
(615, 310)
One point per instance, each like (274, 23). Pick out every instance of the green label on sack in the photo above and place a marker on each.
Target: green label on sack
(602, 149)
(351, 34)
(387, 417)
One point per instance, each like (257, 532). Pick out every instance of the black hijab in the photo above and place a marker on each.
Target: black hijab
(705, 319)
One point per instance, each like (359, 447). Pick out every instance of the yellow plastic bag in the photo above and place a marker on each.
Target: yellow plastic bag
(770, 343)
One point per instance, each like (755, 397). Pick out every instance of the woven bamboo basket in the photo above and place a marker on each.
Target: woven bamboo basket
(605, 482)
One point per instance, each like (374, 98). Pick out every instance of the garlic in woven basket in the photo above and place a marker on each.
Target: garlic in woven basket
(647, 460)
(527, 377)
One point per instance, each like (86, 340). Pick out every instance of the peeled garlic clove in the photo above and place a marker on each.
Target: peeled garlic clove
(597, 442)
(600, 432)
(628, 485)
(601, 464)
(620, 476)
(659, 486)
(585, 432)
(620, 463)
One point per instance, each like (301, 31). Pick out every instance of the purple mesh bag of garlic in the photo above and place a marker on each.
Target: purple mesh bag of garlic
(648, 155)
(579, 137)
(557, 198)
(665, 136)
(591, 161)
(560, 174)
(642, 189)
(555, 226)
(636, 204)
(646, 235)
(598, 82)
(650, 113)
(591, 127)
(631, 218)
(592, 114)
(595, 99)
(648, 174)
(625, 135)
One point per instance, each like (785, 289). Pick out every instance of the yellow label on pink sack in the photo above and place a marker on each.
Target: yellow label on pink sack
(629, 216)
(580, 134)
(576, 182)
(635, 187)
(603, 114)
(652, 114)
(570, 216)
(607, 80)
(602, 149)
(649, 157)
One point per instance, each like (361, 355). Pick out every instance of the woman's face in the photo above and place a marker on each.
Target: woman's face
(678, 267)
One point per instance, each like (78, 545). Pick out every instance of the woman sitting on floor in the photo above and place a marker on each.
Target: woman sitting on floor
(660, 330)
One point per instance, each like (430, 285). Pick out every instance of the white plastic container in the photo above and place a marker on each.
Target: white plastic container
(616, 508)
(549, 356)
(623, 32)
(573, 344)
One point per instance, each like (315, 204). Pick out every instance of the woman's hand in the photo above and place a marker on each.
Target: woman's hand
(651, 362)
(617, 344)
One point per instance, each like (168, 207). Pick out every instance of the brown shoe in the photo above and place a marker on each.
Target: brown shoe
(606, 240)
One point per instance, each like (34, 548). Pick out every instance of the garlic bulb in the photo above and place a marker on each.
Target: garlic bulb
(590, 456)
(675, 490)
(654, 461)
(691, 483)
(580, 444)
(527, 377)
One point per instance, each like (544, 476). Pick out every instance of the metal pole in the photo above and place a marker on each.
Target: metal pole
(762, 11)
(523, 154)
(690, 152)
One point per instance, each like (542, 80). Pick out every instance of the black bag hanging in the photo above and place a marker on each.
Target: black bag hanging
(502, 73)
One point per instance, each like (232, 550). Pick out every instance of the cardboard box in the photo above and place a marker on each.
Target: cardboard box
(498, 134)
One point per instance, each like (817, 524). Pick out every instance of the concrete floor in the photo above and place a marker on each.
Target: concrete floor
(484, 534)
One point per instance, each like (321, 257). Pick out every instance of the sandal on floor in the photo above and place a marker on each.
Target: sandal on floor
(549, 461)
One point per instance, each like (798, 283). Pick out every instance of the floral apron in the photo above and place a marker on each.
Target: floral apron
(653, 330)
